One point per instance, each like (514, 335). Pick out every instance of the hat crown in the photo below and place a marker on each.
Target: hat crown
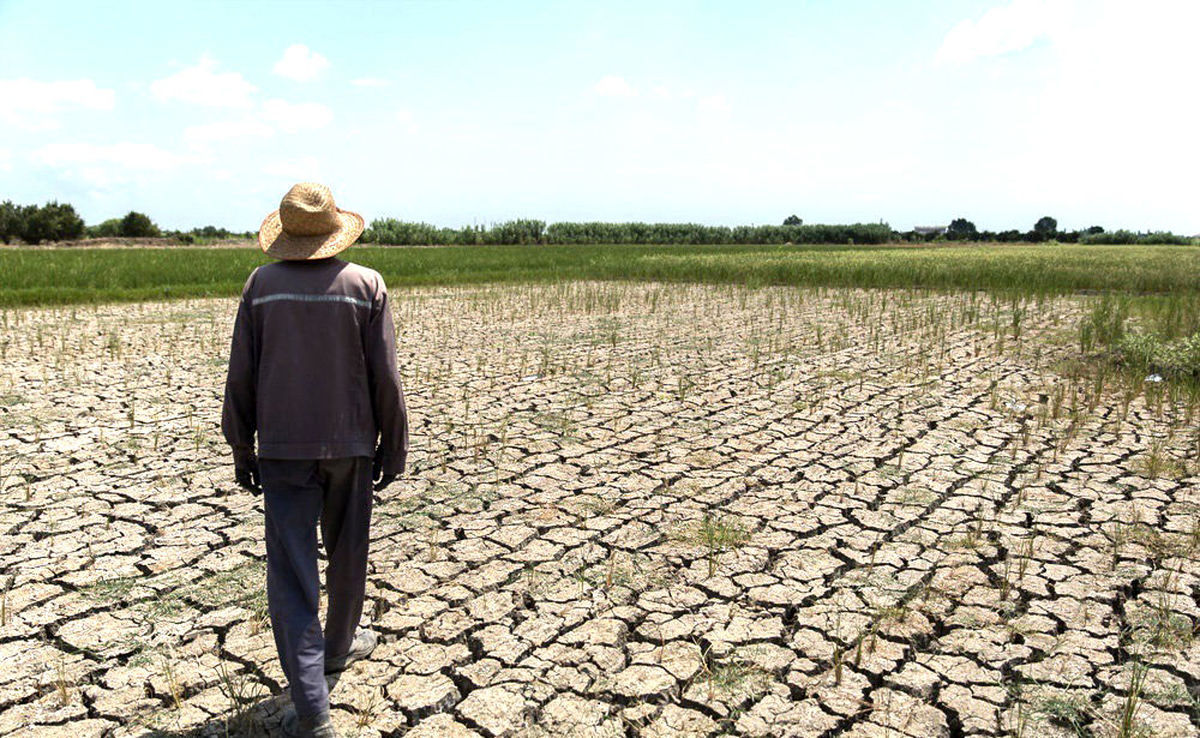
(308, 225)
(308, 210)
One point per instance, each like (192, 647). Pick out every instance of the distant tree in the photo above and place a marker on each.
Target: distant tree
(210, 231)
(138, 225)
(1114, 237)
(110, 228)
(1045, 229)
(68, 226)
(792, 220)
(10, 221)
(53, 221)
(961, 229)
(1094, 230)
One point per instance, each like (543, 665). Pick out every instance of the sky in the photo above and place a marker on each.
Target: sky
(457, 112)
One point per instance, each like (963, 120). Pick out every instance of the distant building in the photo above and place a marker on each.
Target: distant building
(929, 230)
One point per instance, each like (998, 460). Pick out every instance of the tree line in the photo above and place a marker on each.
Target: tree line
(56, 221)
(1045, 229)
(397, 232)
(406, 233)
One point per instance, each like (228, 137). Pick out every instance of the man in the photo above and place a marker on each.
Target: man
(312, 371)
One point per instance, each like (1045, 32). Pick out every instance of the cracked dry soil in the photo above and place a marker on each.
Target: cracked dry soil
(632, 510)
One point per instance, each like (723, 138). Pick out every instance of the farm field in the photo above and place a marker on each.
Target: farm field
(633, 509)
(74, 275)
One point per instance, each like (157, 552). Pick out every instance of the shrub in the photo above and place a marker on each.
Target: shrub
(53, 221)
(517, 232)
(1111, 237)
(209, 232)
(1129, 237)
(1177, 358)
(138, 225)
(404, 233)
(1163, 237)
(213, 233)
(110, 228)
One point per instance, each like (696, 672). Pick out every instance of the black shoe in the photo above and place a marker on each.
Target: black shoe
(364, 643)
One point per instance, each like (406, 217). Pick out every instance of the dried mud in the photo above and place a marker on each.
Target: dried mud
(632, 510)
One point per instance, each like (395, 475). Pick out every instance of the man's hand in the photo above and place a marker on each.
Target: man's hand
(381, 480)
(245, 471)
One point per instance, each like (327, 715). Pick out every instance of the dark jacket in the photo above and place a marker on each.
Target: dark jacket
(312, 367)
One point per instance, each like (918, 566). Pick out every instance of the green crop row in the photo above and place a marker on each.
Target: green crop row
(58, 276)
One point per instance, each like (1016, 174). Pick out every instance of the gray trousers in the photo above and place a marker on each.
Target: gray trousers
(296, 495)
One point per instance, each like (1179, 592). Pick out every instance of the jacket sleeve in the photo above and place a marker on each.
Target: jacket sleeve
(387, 394)
(238, 420)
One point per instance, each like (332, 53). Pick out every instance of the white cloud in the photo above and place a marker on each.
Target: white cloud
(713, 106)
(203, 85)
(105, 165)
(1003, 29)
(272, 116)
(141, 156)
(206, 133)
(613, 86)
(300, 169)
(293, 117)
(27, 95)
(301, 63)
(663, 91)
(28, 103)
(406, 121)
(370, 82)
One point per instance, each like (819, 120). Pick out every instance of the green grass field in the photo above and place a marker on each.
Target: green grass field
(63, 276)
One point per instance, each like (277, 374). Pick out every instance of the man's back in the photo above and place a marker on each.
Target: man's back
(313, 367)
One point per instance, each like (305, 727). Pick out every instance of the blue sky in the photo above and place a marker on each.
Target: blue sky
(461, 112)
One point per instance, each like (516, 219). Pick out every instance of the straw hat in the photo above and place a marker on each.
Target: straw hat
(308, 225)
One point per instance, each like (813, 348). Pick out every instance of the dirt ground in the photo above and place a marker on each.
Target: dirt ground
(632, 510)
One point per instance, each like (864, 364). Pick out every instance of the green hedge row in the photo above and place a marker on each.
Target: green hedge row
(403, 233)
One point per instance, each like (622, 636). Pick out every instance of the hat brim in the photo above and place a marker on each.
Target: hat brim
(279, 244)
